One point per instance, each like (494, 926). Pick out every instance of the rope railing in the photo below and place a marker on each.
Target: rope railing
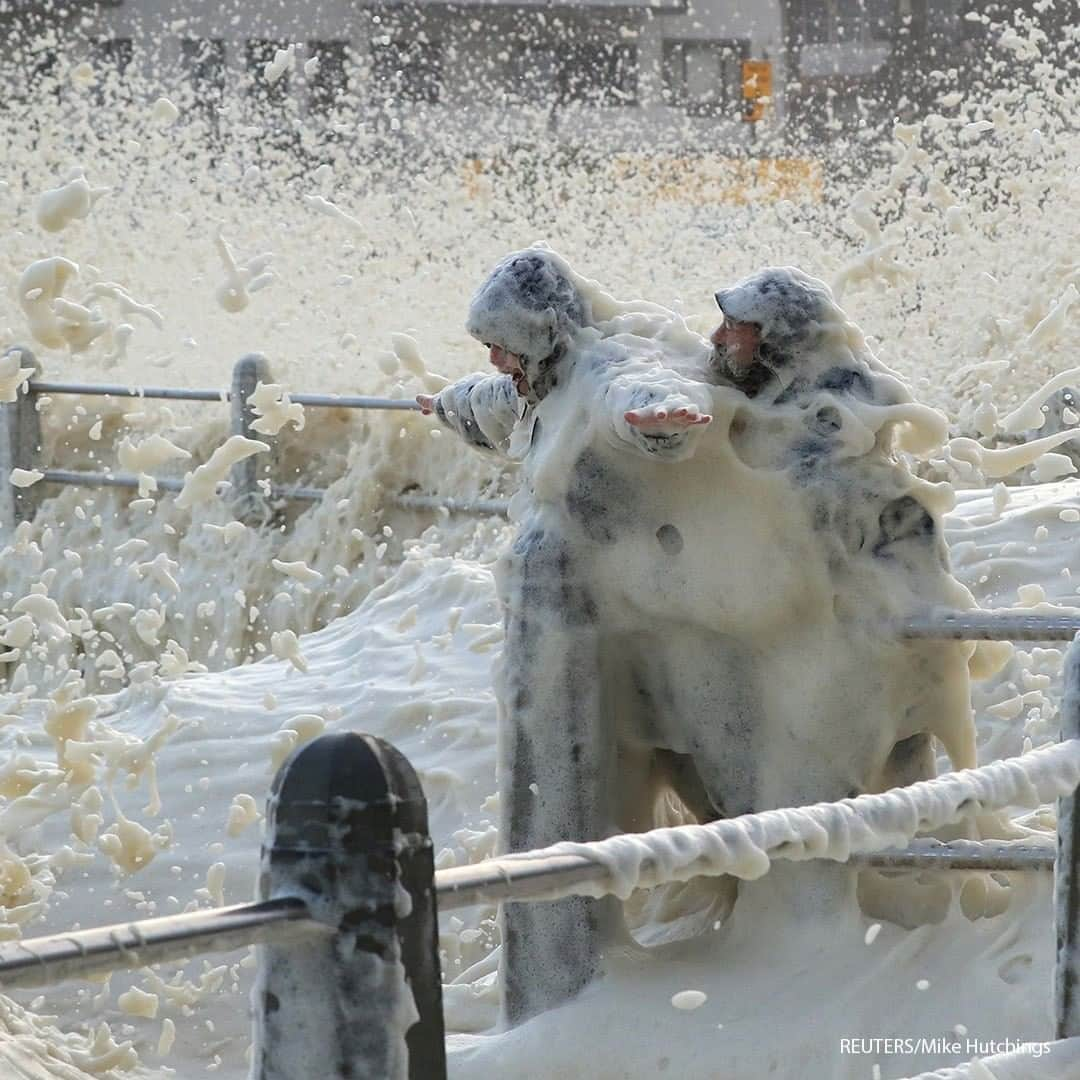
(250, 483)
(531, 876)
(867, 826)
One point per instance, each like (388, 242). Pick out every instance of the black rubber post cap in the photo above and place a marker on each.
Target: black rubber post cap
(343, 779)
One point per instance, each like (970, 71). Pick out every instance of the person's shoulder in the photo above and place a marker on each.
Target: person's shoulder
(589, 353)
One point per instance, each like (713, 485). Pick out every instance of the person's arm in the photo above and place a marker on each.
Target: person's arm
(482, 409)
(653, 410)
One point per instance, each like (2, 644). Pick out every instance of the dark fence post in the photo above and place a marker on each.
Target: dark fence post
(20, 447)
(347, 831)
(1067, 870)
(252, 504)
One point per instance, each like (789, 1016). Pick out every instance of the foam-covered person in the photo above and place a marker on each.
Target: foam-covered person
(782, 336)
(824, 410)
(581, 412)
(832, 416)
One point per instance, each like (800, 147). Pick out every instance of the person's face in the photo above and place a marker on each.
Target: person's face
(734, 345)
(508, 363)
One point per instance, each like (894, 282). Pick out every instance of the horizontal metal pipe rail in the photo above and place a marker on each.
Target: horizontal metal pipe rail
(79, 478)
(495, 507)
(20, 426)
(84, 953)
(408, 501)
(1006, 856)
(1008, 625)
(522, 878)
(181, 393)
(172, 393)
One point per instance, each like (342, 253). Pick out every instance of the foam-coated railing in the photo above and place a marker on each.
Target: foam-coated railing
(20, 445)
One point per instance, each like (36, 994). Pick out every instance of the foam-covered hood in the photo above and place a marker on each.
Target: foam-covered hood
(529, 305)
(787, 304)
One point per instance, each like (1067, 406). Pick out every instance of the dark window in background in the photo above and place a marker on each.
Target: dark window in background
(203, 62)
(110, 58)
(330, 80)
(44, 75)
(837, 22)
(114, 53)
(258, 52)
(704, 77)
(599, 73)
(534, 73)
(202, 67)
(29, 73)
(407, 70)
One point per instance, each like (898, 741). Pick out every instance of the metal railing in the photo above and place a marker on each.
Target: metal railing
(251, 485)
(347, 832)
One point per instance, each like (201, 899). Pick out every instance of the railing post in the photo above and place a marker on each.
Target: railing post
(347, 832)
(1067, 870)
(20, 447)
(251, 503)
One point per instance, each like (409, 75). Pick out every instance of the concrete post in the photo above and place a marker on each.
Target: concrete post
(347, 833)
(1067, 871)
(252, 504)
(556, 771)
(20, 448)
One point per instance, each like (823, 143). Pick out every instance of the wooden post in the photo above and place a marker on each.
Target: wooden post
(1067, 871)
(347, 832)
(252, 504)
(20, 447)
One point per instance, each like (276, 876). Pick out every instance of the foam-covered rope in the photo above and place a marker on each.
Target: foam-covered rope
(745, 846)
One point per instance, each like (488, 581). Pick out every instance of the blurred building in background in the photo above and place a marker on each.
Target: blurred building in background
(852, 62)
(698, 73)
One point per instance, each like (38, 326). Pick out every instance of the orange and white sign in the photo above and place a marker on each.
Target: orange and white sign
(756, 79)
(756, 87)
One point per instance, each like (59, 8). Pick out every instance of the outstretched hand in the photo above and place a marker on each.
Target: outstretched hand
(658, 417)
(426, 403)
